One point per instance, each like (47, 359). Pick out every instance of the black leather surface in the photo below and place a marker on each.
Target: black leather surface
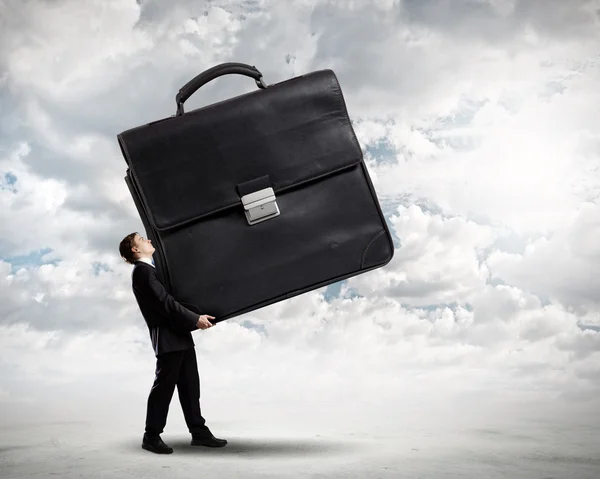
(184, 174)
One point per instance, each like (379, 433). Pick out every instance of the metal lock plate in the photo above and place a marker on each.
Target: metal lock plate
(260, 206)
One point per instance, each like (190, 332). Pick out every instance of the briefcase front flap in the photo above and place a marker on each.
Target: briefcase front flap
(188, 167)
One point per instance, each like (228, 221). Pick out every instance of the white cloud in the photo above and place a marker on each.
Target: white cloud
(564, 267)
(527, 169)
(438, 261)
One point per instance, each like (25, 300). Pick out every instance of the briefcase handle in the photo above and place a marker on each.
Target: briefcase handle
(223, 69)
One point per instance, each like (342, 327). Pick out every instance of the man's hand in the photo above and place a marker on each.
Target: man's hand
(203, 321)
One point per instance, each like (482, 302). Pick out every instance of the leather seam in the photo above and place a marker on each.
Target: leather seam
(362, 260)
(237, 203)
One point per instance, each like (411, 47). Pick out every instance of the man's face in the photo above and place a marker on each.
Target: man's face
(143, 246)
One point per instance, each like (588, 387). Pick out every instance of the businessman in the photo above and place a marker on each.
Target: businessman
(170, 325)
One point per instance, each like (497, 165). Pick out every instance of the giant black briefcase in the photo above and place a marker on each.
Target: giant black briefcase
(258, 198)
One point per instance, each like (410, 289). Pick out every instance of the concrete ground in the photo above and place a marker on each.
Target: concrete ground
(88, 450)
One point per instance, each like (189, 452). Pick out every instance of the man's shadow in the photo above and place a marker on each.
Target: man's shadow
(259, 447)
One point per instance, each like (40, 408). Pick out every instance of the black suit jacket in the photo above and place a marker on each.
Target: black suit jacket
(170, 324)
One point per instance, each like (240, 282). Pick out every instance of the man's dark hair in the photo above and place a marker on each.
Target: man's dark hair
(125, 248)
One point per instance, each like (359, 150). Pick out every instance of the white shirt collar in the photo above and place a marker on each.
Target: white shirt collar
(146, 260)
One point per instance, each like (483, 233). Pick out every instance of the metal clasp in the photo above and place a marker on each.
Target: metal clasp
(260, 206)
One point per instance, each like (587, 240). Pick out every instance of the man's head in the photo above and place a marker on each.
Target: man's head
(134, 247)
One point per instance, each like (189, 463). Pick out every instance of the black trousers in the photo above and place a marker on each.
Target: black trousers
(177, 368)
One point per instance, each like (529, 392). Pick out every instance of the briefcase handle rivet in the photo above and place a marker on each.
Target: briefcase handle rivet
(261, 83)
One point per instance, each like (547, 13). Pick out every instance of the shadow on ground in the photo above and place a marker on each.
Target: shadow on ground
(5, 449)
(248, 447)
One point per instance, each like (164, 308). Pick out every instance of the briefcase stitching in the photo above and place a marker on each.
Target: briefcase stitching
(362, 260)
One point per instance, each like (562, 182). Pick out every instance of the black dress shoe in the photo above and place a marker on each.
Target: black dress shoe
(155, 444)
(207, 439)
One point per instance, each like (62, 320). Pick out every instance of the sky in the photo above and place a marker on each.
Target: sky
(479, 121)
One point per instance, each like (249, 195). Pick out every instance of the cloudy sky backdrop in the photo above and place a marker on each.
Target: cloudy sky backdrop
(480, 126)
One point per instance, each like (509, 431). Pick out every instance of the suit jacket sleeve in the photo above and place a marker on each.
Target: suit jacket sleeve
(147, 285)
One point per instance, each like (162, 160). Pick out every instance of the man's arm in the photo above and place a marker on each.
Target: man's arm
(147, 285)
